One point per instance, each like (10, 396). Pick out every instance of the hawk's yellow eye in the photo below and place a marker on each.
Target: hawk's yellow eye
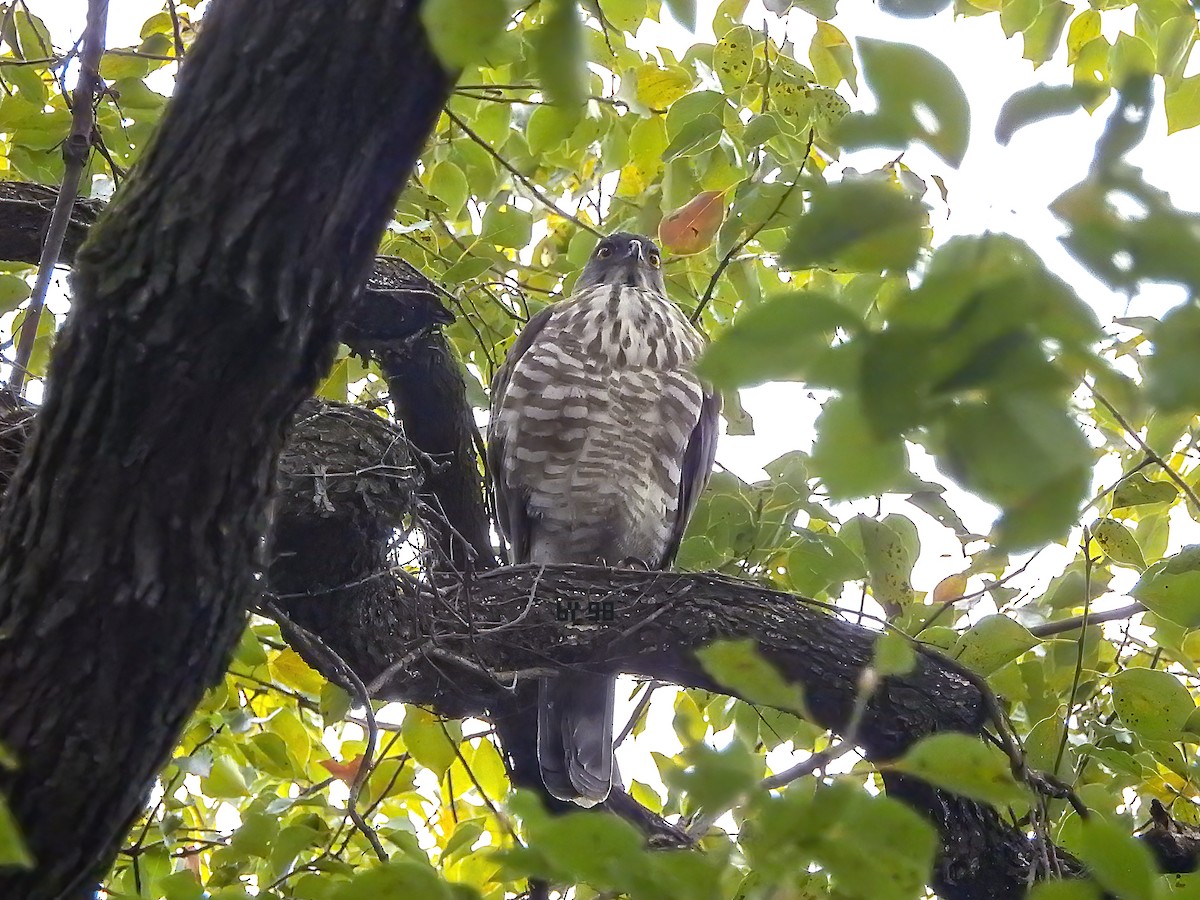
(655, 260)
(604, 252)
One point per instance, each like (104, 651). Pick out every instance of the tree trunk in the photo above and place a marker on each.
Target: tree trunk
(203, 314)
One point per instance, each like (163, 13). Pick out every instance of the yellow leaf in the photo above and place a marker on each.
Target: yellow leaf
(733, 57)
(950, 588)
(658, 88)
(289, 669)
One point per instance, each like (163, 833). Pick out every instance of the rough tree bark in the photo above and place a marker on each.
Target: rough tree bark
(203, 314)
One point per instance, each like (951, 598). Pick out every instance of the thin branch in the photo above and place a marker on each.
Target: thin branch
(1087, 609)
(175, 27)
(705, 819)
(807, 767)
(740, 245)
(1063, 625)
(638, 711)
(76, 149)
(529, 185)
(299, 634)
(1147, 449)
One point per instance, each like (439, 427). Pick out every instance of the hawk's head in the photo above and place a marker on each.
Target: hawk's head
(626, 259)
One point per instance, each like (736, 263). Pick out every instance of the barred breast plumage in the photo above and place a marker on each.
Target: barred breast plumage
(595, 420)
(600, 441)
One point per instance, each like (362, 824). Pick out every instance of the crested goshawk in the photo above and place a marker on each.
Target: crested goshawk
(600, 441)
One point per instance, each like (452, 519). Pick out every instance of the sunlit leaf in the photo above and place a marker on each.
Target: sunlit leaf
(740, 666)
(1117, 860)
(1118, 543)
(991, 642)
(963, 765)
(1151, 703)
(1171, 587)
(462, 31)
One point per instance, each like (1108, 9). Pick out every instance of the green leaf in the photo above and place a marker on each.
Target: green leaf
(894, 654)
(700, 134)
(1041, 101)
(683, 12)
(733, 58)
(1044, 33)
(775, 340)
(507, 226)
(464, 837)
(1138, 490)
(1084, 29)
(1183, 105)
(891, 548)
(426, 738)
(602, 851)
(991, 642)
(626, 15)
(1118, 543)
(850, 458)
(462, 31)
(550, 126)
(1171, 587)
(1025, 453)
(1152, 704)
(876, 847)
(717, 779)
(818, 562)
(13, 851)
(1121, 864)
(119, 66)
(405, 878)
(559, 55)
(963, 765)
(660, 86)
(919, 100)
(225, 780)
(831, 57)
(448, 184)
(1173, 372)
(334, 704)
(858, 223)
(739, 666)
(14, 290)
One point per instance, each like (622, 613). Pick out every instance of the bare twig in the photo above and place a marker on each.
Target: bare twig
(317, 647)
(1147, 449)
(529, 185)
(1087, 609)
(638, 711)
(705, 819)
(807, 767)
(76, 149)
(176, 28)
(740, 245)
(1065, 625)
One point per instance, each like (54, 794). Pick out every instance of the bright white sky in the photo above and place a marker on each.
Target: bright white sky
(1003, 189)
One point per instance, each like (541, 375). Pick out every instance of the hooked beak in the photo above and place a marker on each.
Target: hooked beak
(635, 247)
